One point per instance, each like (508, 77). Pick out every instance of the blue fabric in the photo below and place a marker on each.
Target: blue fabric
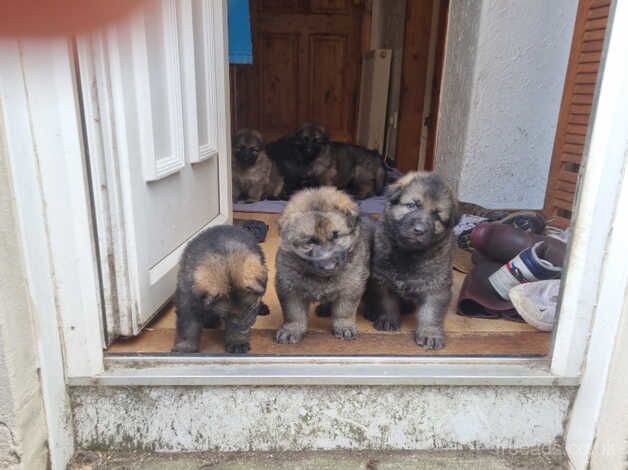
(240, 43)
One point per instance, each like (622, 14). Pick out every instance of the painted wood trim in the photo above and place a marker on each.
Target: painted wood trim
(601, 228)
(44, 148)
(596, 203)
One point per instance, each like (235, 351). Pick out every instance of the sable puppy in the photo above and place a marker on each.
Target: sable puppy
(255, 175)
(323, 257)
(349, 167)
(411, 257)
(222, 276)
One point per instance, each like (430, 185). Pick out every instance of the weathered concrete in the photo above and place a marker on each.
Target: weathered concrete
(317, 418)
(321, 461)
(23, 436)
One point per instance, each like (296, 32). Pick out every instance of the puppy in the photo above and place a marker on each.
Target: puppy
(222, 276)
(293, 155)
(349, 167)
(412, 256)
(323, 257)
(255, 176)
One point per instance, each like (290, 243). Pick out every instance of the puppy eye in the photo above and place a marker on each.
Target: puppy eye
(334, 235)
(436, 215)
(311, 241)
(411, 205)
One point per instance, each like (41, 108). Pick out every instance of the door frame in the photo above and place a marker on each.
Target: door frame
(416, 128)
(47, 165)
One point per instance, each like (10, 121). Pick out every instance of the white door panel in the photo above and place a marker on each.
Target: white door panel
(160, 78)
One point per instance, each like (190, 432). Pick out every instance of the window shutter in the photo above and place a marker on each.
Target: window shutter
(573, 120)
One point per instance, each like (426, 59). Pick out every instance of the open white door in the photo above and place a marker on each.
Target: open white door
(155, 95)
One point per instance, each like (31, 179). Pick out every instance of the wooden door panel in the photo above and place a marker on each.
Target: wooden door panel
(307, 58)
(279, 72)
(330, 6)
(328, 75)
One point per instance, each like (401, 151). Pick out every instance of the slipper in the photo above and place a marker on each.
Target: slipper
(528, 221)
(478, 299)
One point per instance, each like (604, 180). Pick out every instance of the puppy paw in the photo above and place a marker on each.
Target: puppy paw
(237, 348)
(345, 332)
(430, 339)
(287, 335)
(323, 310)
(263, 310)
(185, 346)
(385, 323)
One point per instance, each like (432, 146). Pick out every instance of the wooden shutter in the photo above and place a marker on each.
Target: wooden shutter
(573, 120)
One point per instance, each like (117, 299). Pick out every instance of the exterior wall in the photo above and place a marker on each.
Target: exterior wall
(318, 418)
(505, 67)
(23, 434)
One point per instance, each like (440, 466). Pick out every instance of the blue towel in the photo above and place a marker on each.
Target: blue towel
(240, 44)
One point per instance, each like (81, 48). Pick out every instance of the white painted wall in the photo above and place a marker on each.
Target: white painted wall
(505, 66)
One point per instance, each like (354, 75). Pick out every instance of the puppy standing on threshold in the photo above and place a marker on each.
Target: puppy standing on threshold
(222, 276)
(255, 175)
(323, 257)
(412, 257)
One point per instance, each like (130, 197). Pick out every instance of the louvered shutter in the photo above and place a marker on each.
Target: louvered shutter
(573, 120)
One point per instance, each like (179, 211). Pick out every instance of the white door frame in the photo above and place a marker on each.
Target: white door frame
(40, 106)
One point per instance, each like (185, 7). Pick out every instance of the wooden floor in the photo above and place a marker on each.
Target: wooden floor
(465, 336)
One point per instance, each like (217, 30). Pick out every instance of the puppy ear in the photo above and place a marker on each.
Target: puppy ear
(393, 193)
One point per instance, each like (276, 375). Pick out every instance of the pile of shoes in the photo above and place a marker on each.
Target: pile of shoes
(513, 268)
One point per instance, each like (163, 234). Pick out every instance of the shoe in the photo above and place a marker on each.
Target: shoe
(478, 299)
(536, 302)
(532, 264)
(501, 242)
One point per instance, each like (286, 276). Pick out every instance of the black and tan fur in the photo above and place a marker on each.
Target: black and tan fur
(412, 256)
(255, 175)
(307, 158)
(323, 258)
(349, 167)
(222, 276)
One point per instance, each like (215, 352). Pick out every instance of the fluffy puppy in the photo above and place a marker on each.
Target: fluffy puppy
(324, 258)
(294, 154)
(255, 175)
(412, 256)
(222, 276)
(349, 167)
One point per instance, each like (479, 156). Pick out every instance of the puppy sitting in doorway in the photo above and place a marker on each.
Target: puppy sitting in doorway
(412, 257)
(255, 175)
(222, 277)
(323, 257)
(349, 167)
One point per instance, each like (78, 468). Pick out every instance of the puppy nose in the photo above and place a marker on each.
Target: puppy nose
(419, 229)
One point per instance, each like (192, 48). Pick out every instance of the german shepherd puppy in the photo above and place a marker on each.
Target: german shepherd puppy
(412, 256)
(349, 167)
(255, 175)
(324, 258)
(222, 276)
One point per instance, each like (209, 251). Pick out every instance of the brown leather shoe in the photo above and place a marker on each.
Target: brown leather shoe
(501, 242)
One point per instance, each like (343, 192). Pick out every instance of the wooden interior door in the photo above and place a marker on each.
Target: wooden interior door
(155, 94)
(307, 56)
(573, 120)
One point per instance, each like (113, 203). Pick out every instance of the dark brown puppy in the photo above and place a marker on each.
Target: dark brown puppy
(255, 176)
(349, 167)
(324, 258)
(222, 276)
(411, 257)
